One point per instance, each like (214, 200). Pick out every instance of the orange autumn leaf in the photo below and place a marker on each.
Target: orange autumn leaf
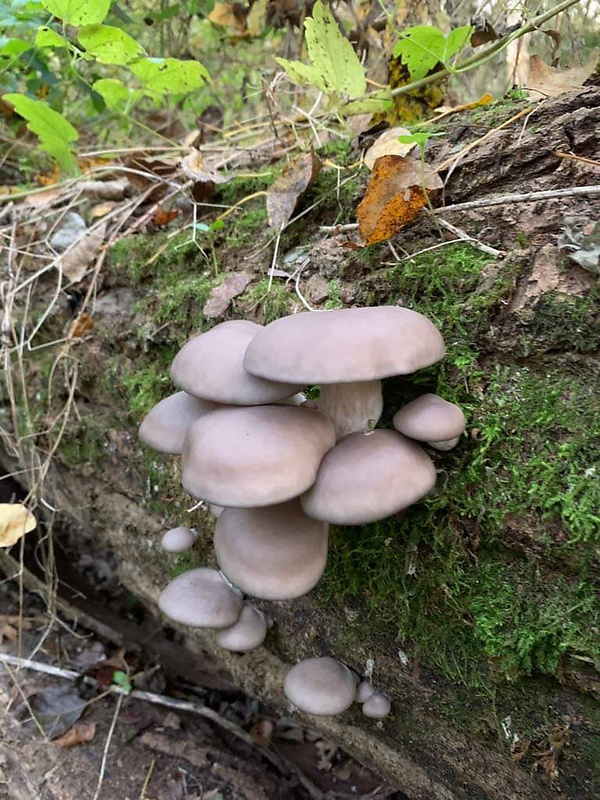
(80, 733)
(49, 180)
(398, 190)
(162, 217)
(81, 325)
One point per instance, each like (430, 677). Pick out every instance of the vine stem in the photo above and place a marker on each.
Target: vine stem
(480, 58)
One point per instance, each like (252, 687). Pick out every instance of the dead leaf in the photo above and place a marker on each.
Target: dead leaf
(225, 14)
(582, 248)
(80, 255)
(102, 209)
(148, 170)
(397, 191)
(50, 178)
(285, 193)
(196, 167)
(8, 632)
(81, 733)
(56, 709)
(81, 325)
(547, 758)
(43, 199)
(262, 732)
(446, 111)
(160, 218)
(545, 81)
(15, 521)
(222, 295)
(257, 17)
(388, 145)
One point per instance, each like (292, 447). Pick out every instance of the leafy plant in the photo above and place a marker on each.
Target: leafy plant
(122, 680)
(334, 68)
(423, 46)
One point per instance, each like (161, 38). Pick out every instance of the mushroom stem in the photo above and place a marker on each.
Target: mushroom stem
(352, 407)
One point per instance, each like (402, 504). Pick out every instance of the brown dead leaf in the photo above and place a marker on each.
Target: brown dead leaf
(262, 732)
(285, 193)
(547, 758)
(160, 218)
(43, 199)
(546, 81)
(102, 209)
(205, 177)
(81, 325)
(50, 178)
(229, 16)
(397, 191)
(8, 632)
(147, 170)
(80, 733)
(116, 189)
(15, 521)
(222, 295)
(388, 145)
(76, 259)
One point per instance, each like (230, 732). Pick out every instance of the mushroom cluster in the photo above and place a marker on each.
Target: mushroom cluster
(276, 469)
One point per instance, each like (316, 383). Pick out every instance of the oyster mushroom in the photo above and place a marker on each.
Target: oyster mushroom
(200, 598)
(246, 634)
(367, 477)
(431, 419)
(164, 428)
(320, 686)
(377, 706)
(347, 352)
(275, 553)
(257, 456)
(177, 540)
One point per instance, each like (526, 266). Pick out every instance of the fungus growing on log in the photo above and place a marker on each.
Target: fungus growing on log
(347, 352)
(377, 706)
(275, 553)
(246, 634)
(177, 540)
(165, 427)
(320, 686)
(431, 419)
(200, 598)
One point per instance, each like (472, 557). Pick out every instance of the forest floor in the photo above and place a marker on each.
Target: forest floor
(478, 609)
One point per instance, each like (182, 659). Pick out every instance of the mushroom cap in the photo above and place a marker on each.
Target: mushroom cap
(320, 686)
(364, 691)
(430, 418)
(200, 598)
(215, 510)
(257, 456)
(367, 477)
(178, 539)
(275, 553)
(345, 345)
(211, 366)
(377, 706)
(164, 428)
(246, 634)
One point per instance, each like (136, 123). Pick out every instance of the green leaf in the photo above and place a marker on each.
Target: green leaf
(456, 40)
(423, 46)
(121, 679)
(302, 74)
(375, 103)
(169, 75)
(109, 45)
(46, 37)
(56, 134)
(334, 64)
(114, 93)
(78, 12)
(13, 47)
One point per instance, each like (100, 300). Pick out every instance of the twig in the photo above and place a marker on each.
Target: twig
(111, 731)
(525, 197)
(577, 158)
(485, 248)
(276, 759)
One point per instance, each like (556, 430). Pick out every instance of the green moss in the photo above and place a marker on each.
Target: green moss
(146, 386)
(563, 324)
(274, 302)
(442, 577)
(335, 299)
(83, 443)
(242, 228)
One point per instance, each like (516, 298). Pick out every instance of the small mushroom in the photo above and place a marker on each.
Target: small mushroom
(211, 366)
(320, 686)
(347, 351)
(367, 477)
(200, 598)
(275, 553)
(431, 419)
(257, 456)
(246, 634)
(377, 706)
(178, 539)
(165, 427)
(364, 691)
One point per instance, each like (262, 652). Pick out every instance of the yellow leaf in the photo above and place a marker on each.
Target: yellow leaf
(15, 521)
(388, 145)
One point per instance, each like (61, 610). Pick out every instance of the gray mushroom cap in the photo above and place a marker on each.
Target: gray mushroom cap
(377, 706)
(364, 691)
(211, 366)
(344, 346)
(320, 686)
(178, 539)
(430, 418)
(275, 553)
(200, 598)
(165, 427)
(257, 456)
(246, 634)
(367, 477)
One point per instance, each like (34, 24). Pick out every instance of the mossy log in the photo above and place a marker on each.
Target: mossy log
(479, 607)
